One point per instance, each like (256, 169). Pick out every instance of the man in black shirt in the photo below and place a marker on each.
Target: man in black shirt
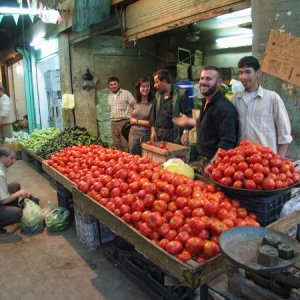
(217, 127)
(170, 101)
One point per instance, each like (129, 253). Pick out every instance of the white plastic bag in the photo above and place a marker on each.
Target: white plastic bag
(292, 205)
(32, 220)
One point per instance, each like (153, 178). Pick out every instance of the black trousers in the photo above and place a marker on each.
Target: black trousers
(11, 213)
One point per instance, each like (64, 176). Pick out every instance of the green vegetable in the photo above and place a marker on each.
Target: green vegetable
(178, 166)
(39, 137)
(67, 138)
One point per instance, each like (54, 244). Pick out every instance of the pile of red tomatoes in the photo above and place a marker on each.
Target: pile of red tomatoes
(183, 216)
(254, 167)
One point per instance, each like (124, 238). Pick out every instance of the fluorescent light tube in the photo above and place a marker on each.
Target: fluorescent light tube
(18, 11)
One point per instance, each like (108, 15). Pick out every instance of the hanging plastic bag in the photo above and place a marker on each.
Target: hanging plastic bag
(32, 220)
(58, 219)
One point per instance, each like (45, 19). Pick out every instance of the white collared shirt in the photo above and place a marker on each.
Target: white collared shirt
(4, 193)
(263, 119)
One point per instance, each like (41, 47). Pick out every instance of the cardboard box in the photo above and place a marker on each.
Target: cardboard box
(162, 155)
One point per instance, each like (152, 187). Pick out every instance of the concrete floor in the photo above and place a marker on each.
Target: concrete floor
(57, 266)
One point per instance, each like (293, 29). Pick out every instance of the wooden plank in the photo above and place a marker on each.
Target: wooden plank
(63, 180)
(144, 18)
(191, 273)
(286, 223)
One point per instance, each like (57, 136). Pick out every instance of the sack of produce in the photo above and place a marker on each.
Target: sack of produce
(182, 71)
(58, 219)
(32, 220)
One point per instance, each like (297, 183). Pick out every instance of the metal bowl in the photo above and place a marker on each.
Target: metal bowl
(240, 246)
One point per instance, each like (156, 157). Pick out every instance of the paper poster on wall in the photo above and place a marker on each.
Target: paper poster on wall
(282, 59)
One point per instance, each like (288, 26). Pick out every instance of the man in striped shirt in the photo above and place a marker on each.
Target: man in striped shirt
(119, 101)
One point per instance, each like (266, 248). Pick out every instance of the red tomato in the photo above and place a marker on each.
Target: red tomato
(174, 247)
(154, 220)
(164, 196)
(258, 177)
(211, 207)
(136, 216)
(84, 186)
(176, 222)
(160, 206)
(228, 222)
(216, 174)
(228, 172)
(198, 212)
(145, 229)
(194, 245)
(238, 175)
(222, 214)
(255, 158)
(242, 212)
(164, 229)
(210, 248)
(169, 189)
(172, 206)
(248, 173)
(184, 256)
(276, 162)
(211, 188)
(182, 201)
(184, 190)
(226, 181)
(171, 235)
(242, 166)
(183, 237)
(163, 243)
(197, 224)
(187, 212)
(238, 184)
(250, 184)
(268, 184)
(218, 227)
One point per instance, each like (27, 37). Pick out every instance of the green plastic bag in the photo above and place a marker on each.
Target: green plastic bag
(32, 220)
(58, 219)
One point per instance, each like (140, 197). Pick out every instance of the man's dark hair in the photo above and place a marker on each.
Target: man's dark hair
(113, 78)
(2, 89)
(249, 62)
(213, 68)
(6, 150)
(163, 75)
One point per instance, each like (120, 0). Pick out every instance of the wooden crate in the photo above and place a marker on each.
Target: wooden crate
(162, 155)
(191, 273)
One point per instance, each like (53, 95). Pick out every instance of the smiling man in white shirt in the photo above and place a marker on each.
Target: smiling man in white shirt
(262, 113)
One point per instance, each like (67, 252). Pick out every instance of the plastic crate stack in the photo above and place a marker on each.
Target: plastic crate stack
(87, 228)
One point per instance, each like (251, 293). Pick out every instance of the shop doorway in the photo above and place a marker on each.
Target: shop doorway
(49, 92)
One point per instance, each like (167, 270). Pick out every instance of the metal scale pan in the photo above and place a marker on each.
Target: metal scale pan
(240, 246)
